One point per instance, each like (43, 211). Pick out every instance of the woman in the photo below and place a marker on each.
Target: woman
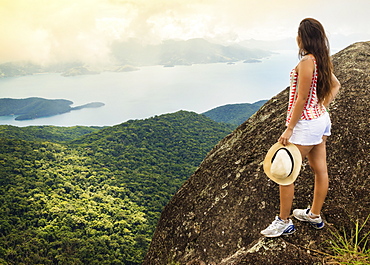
(313, 86)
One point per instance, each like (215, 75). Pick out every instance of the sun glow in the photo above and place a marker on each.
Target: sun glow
(55, 30)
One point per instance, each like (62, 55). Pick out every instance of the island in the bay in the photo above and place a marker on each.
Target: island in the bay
(34, 107)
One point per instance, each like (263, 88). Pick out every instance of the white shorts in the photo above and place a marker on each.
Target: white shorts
(310, 132)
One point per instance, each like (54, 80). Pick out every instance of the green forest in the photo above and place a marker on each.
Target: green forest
(90, 195)
(234, 113)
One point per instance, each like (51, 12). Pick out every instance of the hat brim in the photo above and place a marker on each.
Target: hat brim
(297, 159)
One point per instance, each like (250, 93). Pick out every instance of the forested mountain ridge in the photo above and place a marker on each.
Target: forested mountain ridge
(167, 148)
(234, 113)
(94, 195)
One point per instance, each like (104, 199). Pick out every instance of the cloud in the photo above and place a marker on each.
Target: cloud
(83, 30)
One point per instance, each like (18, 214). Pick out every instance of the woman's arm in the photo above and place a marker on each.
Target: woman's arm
(333, 91)
(305, 70)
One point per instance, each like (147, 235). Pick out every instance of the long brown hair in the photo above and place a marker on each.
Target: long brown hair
(312, 40)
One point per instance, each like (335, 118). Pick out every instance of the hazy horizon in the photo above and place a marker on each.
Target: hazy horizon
(83, 30)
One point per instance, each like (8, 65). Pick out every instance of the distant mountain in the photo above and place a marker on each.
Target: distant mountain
(12, 69)
(234, 113)
(19, 69)
(33, 108)
(127, 56)
(171, 52)
(80, 70)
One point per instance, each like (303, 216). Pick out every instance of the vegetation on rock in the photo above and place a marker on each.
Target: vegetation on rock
(234, 113)
(45, 133)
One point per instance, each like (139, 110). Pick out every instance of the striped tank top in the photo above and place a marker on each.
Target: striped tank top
(312, 108)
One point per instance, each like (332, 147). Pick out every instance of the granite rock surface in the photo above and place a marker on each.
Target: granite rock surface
(217, 215)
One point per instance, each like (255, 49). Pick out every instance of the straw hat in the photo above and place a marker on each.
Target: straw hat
(283, 163)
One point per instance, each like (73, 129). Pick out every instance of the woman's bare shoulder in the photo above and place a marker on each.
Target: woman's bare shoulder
(308, 57)
(307, 62)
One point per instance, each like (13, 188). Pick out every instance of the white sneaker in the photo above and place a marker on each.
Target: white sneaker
(302, 215)
(278, 227)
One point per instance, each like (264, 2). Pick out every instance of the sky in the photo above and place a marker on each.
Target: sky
(50, 31)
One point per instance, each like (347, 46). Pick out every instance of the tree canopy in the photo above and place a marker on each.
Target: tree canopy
(84, 195)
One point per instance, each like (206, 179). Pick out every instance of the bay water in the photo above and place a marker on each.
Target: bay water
(152, 90)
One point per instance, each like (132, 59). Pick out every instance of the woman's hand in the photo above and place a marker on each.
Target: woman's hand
(284, 138)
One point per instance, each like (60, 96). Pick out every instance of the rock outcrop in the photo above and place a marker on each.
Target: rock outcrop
(217, 215)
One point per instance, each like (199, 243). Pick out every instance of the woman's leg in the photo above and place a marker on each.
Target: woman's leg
(286, 200)
(287, 192)
(317, 160)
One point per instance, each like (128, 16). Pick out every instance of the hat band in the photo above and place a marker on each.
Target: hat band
(290, 155)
